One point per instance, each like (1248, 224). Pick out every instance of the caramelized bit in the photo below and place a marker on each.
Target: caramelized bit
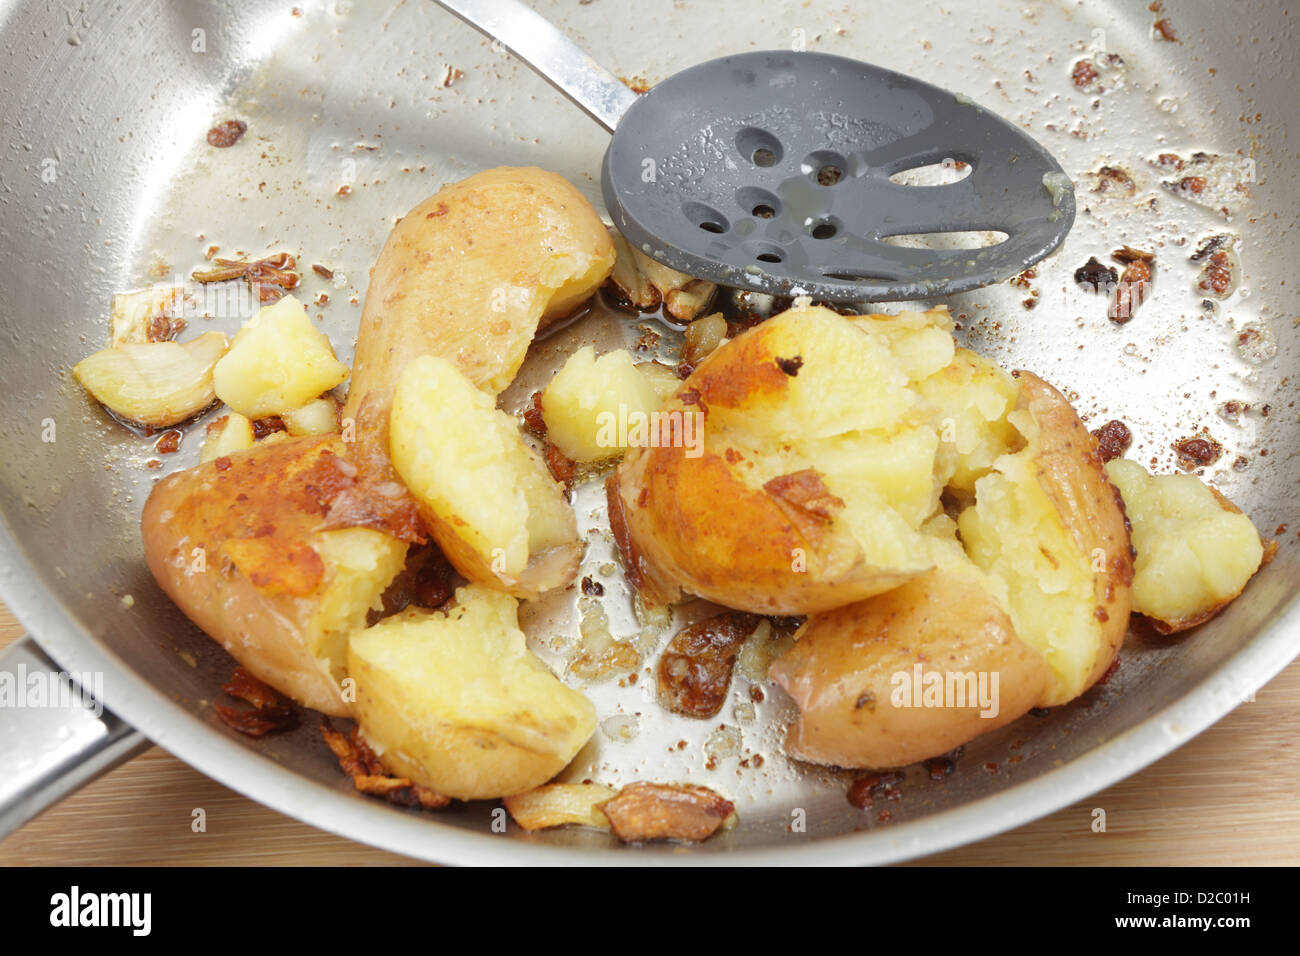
(642, 812)
(1197, 452)
(1096, 277)
(1114, 179)
(368, 775)
(227, 133)
(270, 713)
(1113, 440)
(695, 669)
(1134, 284)
(248, 688)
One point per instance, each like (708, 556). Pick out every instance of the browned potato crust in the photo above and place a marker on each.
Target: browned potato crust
(241, 545)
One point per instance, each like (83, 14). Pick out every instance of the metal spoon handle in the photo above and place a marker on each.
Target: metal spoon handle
(536, 41)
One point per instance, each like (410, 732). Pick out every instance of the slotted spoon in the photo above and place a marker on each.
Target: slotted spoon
(771, 171)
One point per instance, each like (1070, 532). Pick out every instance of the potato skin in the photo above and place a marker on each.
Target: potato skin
(1073, 476)
(841, 669)
(261, 580)
(473, 272)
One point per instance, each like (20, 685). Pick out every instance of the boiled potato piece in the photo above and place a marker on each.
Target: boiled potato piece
(472, 273)
(1049, 524)
(1195, 549)
(155, 383)
(278, 361)
(816, 464)
(594, 405)
(909, 674)
(240, 545)
(227, 435)
(486, 497)
(454, 700)
(318, 417)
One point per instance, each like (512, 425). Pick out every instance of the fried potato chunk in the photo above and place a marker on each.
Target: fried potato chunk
(1195, 549)
(472, 273)
(278, 361)
(242, 545)
(455, 701)
(816, 464)
(485, 496)
(1048, 523)
(594, 407)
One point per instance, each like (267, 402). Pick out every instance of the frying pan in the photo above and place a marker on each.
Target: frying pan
(107, 184)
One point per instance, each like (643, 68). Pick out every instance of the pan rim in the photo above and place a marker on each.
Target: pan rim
(178, 731)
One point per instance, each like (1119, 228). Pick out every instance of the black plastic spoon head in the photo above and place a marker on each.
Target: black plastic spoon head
(771, 171)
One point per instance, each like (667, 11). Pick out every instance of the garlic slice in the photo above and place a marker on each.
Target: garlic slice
(147, 315)
(154, 383)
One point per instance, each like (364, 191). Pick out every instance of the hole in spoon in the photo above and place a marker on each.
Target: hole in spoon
(824, 229)
(933, 174)
(857, 277)
(705, 217)
(758, 202)
(947, 240)
(758, 146)
(768, 257)
(826, 167)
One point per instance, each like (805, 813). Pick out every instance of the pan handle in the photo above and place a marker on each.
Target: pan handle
(55, 737)
(560, 61)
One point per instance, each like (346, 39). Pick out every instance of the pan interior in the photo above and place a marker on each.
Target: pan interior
(109, 185)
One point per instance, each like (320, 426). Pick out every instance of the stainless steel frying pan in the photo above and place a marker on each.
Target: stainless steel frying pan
(107, 183)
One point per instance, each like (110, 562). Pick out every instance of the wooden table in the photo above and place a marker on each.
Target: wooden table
(1230, 796)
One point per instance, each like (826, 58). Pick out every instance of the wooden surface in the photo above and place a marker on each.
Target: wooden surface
(1230, 796)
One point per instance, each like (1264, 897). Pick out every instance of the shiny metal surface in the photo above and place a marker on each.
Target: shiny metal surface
(57, 747)
(534, 39)
(106, 184)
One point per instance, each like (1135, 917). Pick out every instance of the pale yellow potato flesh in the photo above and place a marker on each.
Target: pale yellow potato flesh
(278, 361)
(1051, 526)
(485, 496)
(594, 406)
(1195, 549)
(472, 273)
(230, 433)
(455, 701)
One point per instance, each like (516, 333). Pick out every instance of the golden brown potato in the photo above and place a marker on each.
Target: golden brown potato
(455, 701)
(805, 468)
(471, 274)
(908, 674)
(1048, 522)
(1195, 549)
(244, 545)
(485, 496)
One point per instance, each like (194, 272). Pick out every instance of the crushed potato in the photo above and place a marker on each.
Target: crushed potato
(1195, 549)
(278, 361)
(592, 403)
